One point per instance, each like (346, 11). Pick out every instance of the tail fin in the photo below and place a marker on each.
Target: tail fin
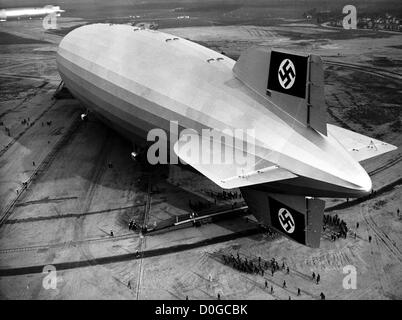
(297, 217)
(293, 82)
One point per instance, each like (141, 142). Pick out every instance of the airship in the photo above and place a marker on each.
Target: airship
(28, 13)
(137, 79)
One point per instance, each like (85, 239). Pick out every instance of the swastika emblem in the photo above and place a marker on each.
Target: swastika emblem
(286, 220)
(286, 74)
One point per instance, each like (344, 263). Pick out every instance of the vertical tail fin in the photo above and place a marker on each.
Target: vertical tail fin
(293, 82)
(297, 217)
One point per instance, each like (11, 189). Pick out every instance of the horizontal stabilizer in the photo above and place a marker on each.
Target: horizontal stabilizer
(227, 174)
(359, 146)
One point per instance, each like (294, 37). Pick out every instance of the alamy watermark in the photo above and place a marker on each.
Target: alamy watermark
(350, 20)
(49, 22)
(50, 279)
(207, 146)
(350, 280)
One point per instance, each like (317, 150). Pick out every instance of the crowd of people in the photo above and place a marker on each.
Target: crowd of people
(245, 265)
(198, 205)
(260, 267)
(337, 223)
(270, 232)
(224, 195)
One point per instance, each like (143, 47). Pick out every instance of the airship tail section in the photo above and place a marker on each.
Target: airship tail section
(297, 217)
(288, 82)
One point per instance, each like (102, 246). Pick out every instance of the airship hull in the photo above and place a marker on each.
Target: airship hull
(138, 80)
(108, 107)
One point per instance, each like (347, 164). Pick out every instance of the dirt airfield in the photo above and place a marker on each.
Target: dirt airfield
(72, 199)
